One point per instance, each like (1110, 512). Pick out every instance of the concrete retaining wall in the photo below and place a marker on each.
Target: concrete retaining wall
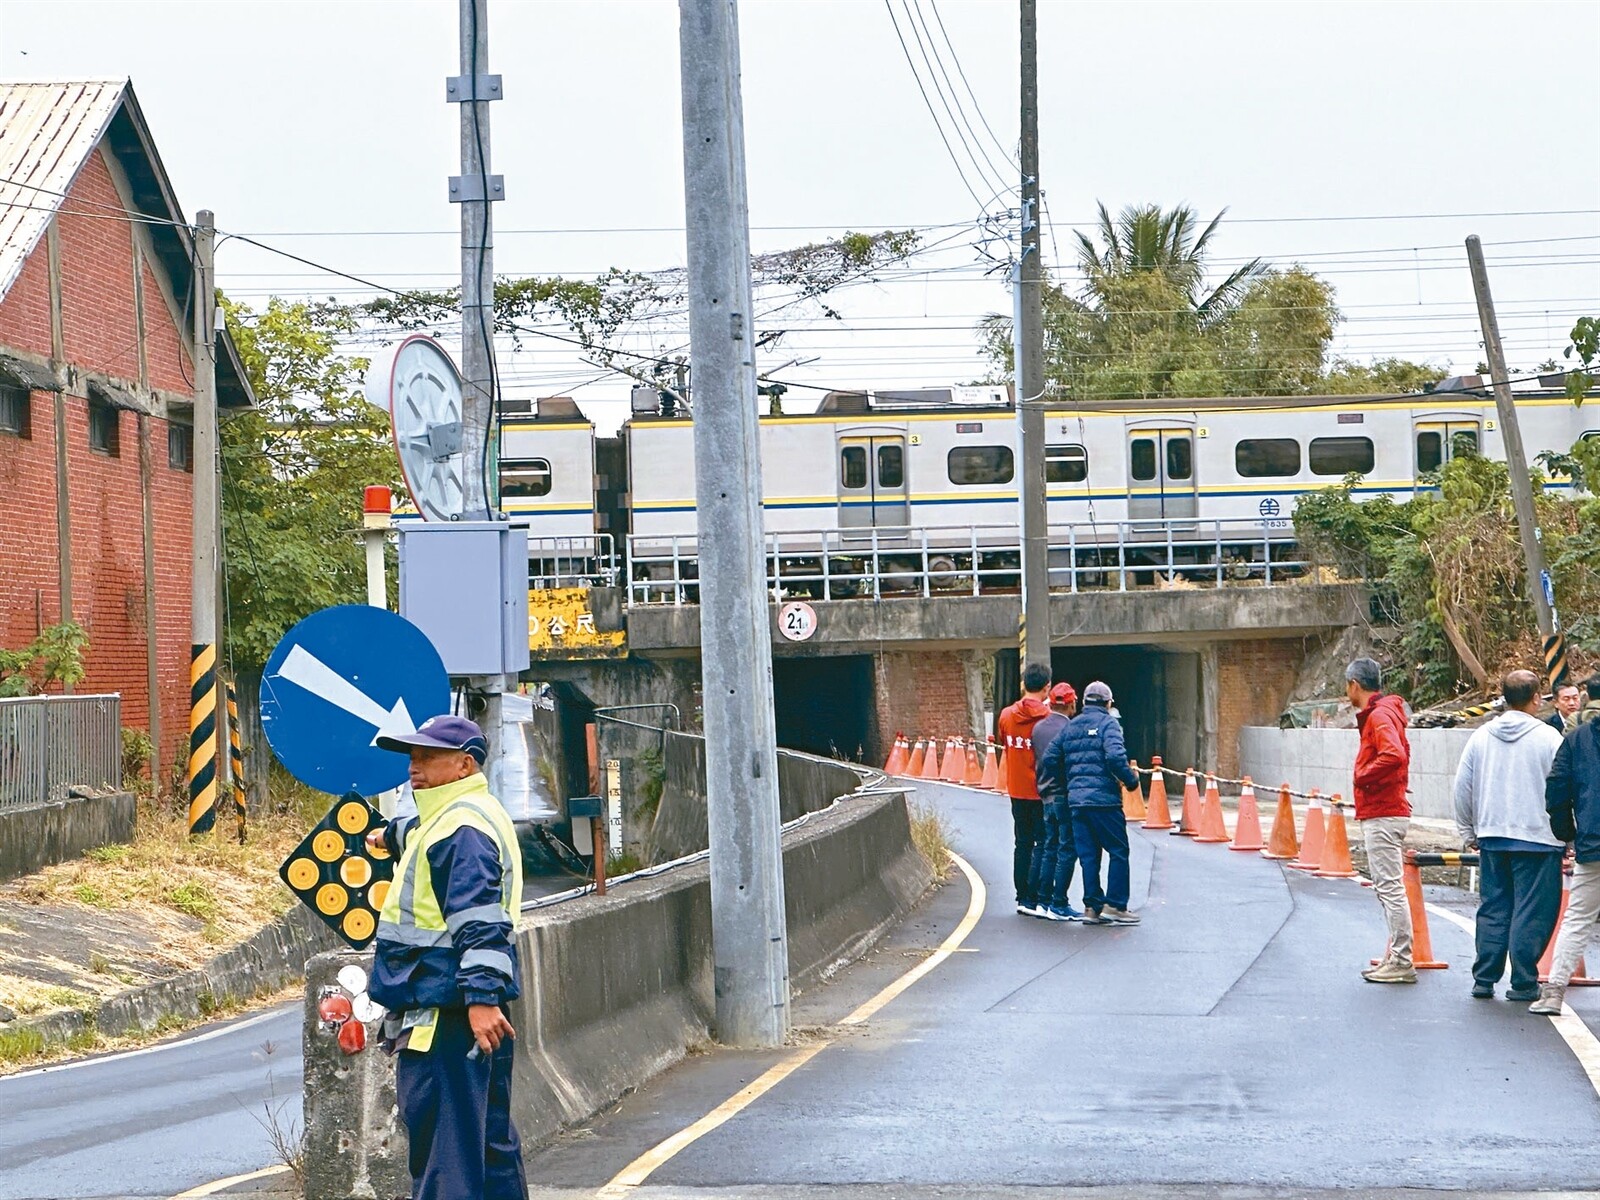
(617, 989)
(1323, 758)
(42, 834)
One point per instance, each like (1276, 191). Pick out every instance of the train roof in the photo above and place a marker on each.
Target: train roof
(546, 410)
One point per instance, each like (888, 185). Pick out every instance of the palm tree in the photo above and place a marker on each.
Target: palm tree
(1145, 238)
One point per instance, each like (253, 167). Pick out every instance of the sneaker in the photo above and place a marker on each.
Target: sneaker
(1524, 995)
(1093, 916)
(1065, 912)
(1391, 972)
(1024, 910)
(1483, 991)
(1551, 996)
(1119, 916)
(1051, 913)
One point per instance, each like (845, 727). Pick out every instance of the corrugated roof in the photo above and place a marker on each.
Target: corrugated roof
(47, 132)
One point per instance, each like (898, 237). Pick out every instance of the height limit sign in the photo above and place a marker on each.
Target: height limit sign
(797, 621)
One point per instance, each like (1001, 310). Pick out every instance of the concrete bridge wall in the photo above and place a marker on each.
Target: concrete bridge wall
(1323, 758)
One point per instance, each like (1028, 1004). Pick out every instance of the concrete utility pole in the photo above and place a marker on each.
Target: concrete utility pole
(750, 942)
(475, 189)
(203, 715)
(1027, 289)
(1517, 471)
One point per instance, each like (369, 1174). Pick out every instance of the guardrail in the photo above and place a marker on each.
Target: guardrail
(50, 744)
(975, 560)
(589, 561)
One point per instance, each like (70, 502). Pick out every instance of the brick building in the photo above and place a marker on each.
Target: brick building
(97, 394)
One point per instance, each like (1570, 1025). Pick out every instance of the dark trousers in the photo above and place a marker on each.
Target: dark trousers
(457, 1112)
(1520, 894)
(1027, 825)
(1055, 857)
(1096, 830)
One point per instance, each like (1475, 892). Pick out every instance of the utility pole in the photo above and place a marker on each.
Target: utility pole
(1540, 592)
(475, 189)
(203, 715)
(1028, 352)
(749, 938)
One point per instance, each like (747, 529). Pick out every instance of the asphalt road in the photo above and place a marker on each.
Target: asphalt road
(1227, 1046)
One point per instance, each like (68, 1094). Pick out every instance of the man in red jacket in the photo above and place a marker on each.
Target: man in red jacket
(1383, 770)
(1027, 812)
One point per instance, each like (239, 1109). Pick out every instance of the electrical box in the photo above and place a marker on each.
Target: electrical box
(465, 585)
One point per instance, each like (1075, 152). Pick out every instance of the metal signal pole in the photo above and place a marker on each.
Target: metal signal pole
(203, 714)
(1027, 287)
(475, 189)
(1540, 591)
(749, 937)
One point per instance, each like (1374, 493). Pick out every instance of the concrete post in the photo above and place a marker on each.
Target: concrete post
(747, 912)
(1028, 284)
(203, 706)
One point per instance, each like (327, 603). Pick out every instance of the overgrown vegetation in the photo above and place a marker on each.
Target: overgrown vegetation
(52, 659)
(930, 834)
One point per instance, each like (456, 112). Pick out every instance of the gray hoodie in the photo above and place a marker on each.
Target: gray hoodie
(1500, 782)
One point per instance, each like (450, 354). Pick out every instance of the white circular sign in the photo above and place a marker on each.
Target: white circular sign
(797, 621)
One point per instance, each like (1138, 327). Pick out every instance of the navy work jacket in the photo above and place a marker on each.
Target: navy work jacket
(1088, 760)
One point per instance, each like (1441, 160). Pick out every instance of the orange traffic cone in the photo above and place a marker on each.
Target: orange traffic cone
(1212, 827)
(1158, 813)
(1336, 847)
(897, 756)
(990, 778)
(955, 761)
(914, 763)
(1002, 765)
(1247, 828)
(1283, 843)
(1132, 798)
(1189, 816)
(1547, 960)
(974, 773)
(930, 764)
(1310, 856)
(1421, 940)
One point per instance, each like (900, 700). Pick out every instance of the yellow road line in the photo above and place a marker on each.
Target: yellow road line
(641, 1168)
(1580, 1039)
(216, 1185)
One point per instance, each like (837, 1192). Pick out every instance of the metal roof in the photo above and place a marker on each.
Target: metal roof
(47, 132)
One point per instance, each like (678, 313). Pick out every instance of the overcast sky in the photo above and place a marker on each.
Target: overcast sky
(1362, 140)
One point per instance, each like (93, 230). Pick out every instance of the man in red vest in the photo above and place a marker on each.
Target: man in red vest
(1027, 813)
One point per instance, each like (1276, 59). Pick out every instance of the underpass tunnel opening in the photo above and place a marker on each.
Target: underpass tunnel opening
(824, 704)
(1157, 692)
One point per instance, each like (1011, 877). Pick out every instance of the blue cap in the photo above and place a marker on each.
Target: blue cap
(441, 733)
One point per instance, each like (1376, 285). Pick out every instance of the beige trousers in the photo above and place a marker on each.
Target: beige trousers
(1385, 838)
(1583, 906)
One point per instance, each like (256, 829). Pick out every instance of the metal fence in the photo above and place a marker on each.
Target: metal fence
(51, 744)
(558, 562)
(976, 560)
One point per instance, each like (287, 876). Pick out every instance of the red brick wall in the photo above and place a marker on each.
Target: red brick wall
(29, 584)
(166, 356)
(25, 308)
(1254, 680)
(920, 695)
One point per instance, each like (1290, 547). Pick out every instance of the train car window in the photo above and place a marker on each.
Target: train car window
(853, 467)
(1341, 455)
(524, 477)
(1143, 458)
(1430, 451)
(1262, 458)
(1180, 458)
(1065, 464)
(891, 466)
(1463, 442)
(981, 464)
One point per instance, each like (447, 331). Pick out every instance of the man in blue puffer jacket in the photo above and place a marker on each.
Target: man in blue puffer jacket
(1089, 762)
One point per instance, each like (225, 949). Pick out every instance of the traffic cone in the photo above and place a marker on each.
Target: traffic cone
(1189, 816)
(1547, 960)
(955, 761)
(1212, 827)
(1158, 813)
(990, 780)
(1283, 843)
(897, 756)
(1132, 798)
(1247, 828)
(1336, 847)
(973, 777)
(1421, 940)
(930, 764)
(914, 763)
(1310, 856)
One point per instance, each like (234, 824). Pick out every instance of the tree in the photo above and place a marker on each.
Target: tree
(54, 657)
(1384, 376)
(293, 472)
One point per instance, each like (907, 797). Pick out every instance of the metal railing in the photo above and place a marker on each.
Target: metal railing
(589, 561)
(976, 560)
(51, 744)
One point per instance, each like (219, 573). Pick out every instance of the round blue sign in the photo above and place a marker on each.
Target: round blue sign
(336, 682)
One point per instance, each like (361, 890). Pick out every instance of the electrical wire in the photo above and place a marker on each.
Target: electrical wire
(1009, 157)
(991, 176)
(928, 104)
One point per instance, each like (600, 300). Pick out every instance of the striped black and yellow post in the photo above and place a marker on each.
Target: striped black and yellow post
(1555, 660)
(236, 755)
(202, 738)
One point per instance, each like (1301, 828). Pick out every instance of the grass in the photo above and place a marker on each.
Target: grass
(930, 834)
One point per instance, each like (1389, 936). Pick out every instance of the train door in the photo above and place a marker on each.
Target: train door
(1161, 473)
(1438, 438)
(874, 486)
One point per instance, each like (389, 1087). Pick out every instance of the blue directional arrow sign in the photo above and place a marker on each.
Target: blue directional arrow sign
(336, 682)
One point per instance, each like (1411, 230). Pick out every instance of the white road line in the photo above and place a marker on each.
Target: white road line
(232, 1027)
(1580, 1039)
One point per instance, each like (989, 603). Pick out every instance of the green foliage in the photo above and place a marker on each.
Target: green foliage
(651, 769)
(193, 898)
(1382, 377)
(1586, 344)
(293, 472)
(137, 747)
(54, 657)
(19, 1045)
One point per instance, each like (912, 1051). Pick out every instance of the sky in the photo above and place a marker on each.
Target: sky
(1362, 140)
